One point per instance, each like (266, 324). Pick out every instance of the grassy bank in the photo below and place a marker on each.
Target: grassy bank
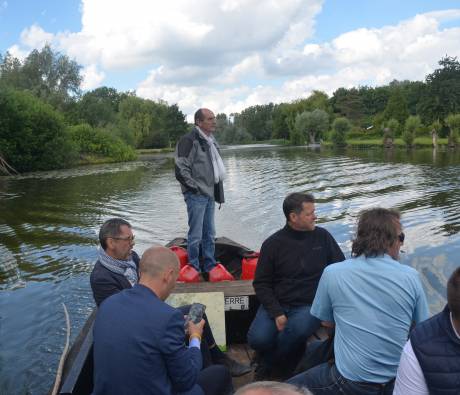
(419, 142)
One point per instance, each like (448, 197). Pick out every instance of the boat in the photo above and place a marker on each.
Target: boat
(240, 308)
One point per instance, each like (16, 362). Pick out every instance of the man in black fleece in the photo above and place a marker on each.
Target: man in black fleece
(290, 265)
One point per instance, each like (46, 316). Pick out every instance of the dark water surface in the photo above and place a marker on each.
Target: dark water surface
(49, 223)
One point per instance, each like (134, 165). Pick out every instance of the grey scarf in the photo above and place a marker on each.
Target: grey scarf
(126, 268)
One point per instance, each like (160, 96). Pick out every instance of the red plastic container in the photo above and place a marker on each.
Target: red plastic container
(220, 273)
(248, 266)
(181, 254)
(188, 274)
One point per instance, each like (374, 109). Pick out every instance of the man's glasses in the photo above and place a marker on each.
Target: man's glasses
(127, 238)
(401, 237)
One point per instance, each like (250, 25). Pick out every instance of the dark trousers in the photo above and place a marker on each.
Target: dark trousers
(215, 380)
(264, 337)
(325, 379)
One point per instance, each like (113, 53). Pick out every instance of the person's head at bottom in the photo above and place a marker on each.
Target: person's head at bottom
(271, 388)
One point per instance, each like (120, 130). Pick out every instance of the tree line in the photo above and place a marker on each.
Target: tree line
(403, 109)
(46, 122)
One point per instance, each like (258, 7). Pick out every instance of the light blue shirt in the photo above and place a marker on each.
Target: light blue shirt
(373, 302)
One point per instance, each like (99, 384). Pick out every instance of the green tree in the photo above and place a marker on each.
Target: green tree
(411, 127)
(32, 133)
(453, 122)
(280, 126)
(442, 94)
(348, 103)
(99, 107)
(396, 108)
(49, 75)
(340, 127)
(312, 124)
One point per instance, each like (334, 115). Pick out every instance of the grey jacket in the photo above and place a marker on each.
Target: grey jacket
(193, 166)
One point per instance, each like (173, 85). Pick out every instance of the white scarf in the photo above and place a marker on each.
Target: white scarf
(217, 164)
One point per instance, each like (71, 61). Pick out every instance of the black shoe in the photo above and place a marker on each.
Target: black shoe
(236, 369)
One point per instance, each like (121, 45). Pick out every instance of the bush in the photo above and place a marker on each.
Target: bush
(32, 134)
(96, 141)
(341, 127)
(411, 127)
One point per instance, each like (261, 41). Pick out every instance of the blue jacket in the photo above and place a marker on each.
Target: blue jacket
(139, 347)
(437, 349)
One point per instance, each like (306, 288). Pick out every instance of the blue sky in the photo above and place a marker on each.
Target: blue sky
(229, 54)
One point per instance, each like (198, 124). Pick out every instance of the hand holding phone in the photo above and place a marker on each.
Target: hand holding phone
(194, 322)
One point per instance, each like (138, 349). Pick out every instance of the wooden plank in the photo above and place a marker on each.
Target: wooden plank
(229, 288)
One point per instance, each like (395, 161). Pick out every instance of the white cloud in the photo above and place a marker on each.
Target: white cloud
(92, 77)
(36, 37)
(18, 52)
(229, 54)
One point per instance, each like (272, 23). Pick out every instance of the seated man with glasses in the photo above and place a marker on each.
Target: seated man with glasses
(373, 300)
(117, 269)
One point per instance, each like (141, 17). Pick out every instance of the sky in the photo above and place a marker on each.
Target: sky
(227, 55)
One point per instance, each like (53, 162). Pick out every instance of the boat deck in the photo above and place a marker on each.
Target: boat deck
(229, 288)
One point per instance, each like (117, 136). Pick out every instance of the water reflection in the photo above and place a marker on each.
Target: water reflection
(49, 223)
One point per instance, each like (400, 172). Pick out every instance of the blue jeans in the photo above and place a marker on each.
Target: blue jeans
(200, 210)
(264, 337)
(325, 379)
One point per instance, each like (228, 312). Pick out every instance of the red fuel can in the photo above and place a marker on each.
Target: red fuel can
(181, 254)
(248, 266)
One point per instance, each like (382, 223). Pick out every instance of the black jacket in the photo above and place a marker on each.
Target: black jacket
(105, 283)
(437, 349)
(290, 265)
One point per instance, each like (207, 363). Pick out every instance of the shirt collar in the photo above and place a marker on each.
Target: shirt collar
(453, 326)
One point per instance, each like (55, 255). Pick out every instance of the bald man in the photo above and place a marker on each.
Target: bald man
(271, 388)
(200, 172)
(139, 339)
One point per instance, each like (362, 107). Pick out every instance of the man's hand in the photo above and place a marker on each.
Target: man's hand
(280, 322)
(195, 329)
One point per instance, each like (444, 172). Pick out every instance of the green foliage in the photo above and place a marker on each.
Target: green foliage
(349, 103)
(411, 127)
(49, 75)
(99, 107)
(100, 142)
(441, 95)
(256, 120)
(340, 127)
(32, 133)
(453, 121)
(397, 109)
(149, 124)
(312, 124)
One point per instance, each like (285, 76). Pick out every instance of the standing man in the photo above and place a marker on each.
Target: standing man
(430, 362)
(290, 265)
(373, 301)
(201, 172)
(139, 339)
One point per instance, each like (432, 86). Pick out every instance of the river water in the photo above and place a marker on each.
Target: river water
(49, 223)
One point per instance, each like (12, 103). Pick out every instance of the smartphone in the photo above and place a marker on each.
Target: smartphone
(196, 312)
